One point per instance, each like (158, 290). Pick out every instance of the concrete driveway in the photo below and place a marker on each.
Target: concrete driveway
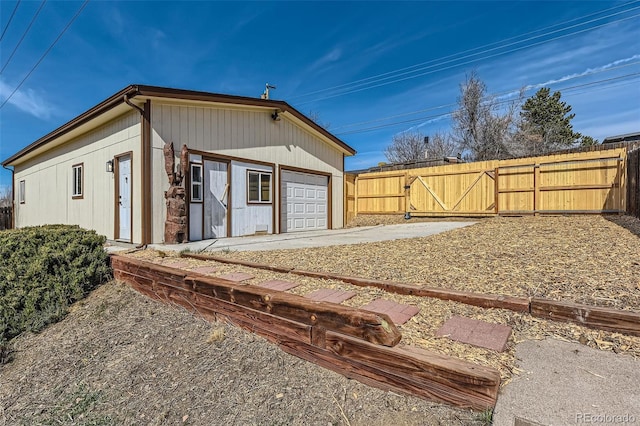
(318, 238)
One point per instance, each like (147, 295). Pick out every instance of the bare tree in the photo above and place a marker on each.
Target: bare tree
(406, 146)
(315, 117)
(5, 196)
(478, 127)
(441, 145)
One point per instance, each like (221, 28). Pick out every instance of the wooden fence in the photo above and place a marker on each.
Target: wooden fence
(5, 218)
(633, 182)
(575, 182)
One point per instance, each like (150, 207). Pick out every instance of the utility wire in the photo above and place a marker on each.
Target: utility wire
(444, 114)
(482, 47)
(6, 27)
(45, 53)
(506, 92)
(466, 62)
(23, 35)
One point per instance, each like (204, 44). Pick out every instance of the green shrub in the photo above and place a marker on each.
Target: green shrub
(43, 270)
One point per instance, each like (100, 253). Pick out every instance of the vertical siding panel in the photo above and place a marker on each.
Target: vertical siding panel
(200, 123)
(174, 136)
(227, 130)
(191, 130)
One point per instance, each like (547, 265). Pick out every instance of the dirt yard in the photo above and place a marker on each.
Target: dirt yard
(120, 358)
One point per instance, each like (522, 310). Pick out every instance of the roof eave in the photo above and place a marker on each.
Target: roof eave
(163, 92)
(132, 91)
(78, 121)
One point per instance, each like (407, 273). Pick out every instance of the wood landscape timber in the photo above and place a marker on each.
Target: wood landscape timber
(339, 338)
(620, 321)
(610, 319)
(394, 370)
(518, 304)
(373, 327)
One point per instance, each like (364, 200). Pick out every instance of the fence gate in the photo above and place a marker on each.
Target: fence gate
(465, 193)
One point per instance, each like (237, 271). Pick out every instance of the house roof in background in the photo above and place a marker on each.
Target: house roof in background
(628, 137)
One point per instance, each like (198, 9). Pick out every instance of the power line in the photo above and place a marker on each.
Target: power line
(466, 62)
(526, 88)
(483, 47)
(24, 35)
(421, 67)
(6, 27)
(444, 114)
(45, 53)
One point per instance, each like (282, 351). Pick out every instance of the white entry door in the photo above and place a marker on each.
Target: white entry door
(304, 201)
(216, 199)
(124, 198)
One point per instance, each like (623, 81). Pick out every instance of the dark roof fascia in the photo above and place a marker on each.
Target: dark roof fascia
(132, 91)
(622, 138)
(164, 92)
(83, 118)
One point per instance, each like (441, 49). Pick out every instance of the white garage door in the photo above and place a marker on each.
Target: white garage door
(304, 201)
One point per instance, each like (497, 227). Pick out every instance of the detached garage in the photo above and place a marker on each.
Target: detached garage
(241, 166)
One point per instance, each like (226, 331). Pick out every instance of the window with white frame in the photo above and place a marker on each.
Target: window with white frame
(78, 184)
(196, 182)
(258, 187)
(21, 190)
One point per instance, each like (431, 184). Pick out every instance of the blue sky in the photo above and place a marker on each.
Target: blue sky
(349, 63)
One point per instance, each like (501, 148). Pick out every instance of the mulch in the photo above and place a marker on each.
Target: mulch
(554, 257)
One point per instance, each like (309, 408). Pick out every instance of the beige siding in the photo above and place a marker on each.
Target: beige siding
(48, 180)
(244, 133)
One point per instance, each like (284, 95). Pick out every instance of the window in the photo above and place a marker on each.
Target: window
(259, 187)
(78, 183)
(196, 182)
(21, 192)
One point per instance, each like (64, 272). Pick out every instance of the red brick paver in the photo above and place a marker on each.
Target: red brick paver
(330, 295)
(205, 269)
(398, 312)
(477, 333)
(236, 276)
(278, 285)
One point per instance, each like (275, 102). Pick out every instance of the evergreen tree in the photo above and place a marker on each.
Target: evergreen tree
(546, 123)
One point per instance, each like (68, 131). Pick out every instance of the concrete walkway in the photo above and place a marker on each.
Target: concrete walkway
(365, 234)
(568, 383)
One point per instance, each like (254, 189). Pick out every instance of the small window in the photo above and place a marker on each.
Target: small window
(196, 182)
(21, 191)
(78, 183)
(259, 187)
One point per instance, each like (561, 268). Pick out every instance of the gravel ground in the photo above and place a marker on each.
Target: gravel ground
(120, 358)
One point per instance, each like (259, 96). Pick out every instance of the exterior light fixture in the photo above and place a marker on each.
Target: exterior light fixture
(275, 116)
(110, 166)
